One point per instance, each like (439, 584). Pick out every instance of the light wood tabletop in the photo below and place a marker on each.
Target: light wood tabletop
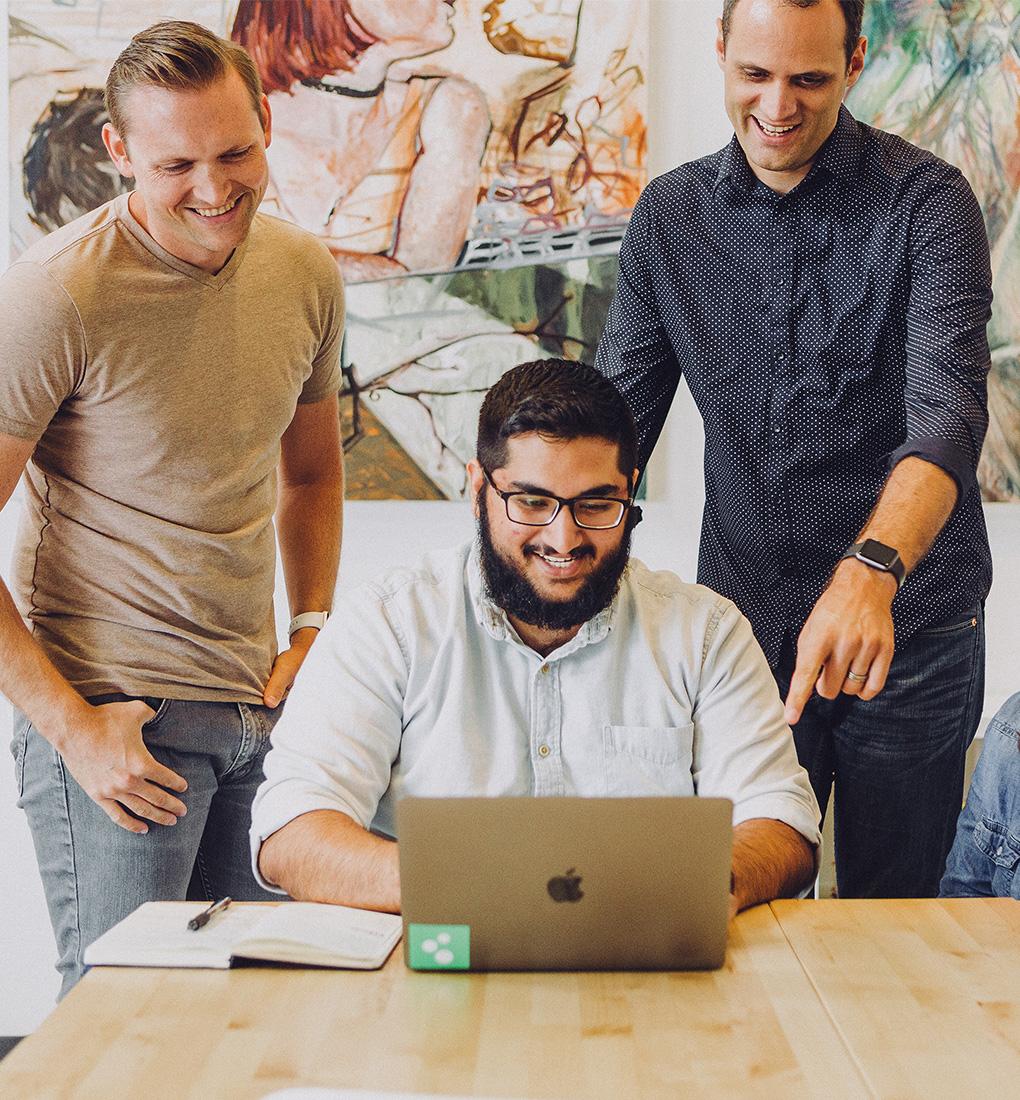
(755, 1027)
(817, 998)
(925, 994)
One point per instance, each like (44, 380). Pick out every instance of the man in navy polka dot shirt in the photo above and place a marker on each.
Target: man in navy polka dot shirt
(824, 287)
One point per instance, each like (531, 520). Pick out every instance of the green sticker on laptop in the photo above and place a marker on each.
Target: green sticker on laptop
(439, 946)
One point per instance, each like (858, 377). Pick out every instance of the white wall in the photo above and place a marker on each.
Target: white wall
(686, 120)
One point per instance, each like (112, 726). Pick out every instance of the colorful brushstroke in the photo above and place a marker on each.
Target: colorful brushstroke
(946, 76)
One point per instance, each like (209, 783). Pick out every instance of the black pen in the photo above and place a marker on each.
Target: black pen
(203, 918)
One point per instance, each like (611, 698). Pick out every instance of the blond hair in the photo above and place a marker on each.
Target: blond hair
(176, 54)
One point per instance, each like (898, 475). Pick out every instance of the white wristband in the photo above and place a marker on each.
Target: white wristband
(307, 618)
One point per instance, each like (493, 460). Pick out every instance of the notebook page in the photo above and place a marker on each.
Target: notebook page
(157, 934)
(331, 930)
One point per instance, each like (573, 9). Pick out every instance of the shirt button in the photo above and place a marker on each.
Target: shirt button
(543, 750)
(544, 670)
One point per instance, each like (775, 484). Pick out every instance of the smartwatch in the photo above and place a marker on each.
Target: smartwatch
(307, 618)
(878, 556)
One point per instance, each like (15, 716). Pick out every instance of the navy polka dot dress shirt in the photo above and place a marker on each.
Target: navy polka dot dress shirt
(825, 335)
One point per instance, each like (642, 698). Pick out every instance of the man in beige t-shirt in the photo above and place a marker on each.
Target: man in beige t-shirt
(169, 366)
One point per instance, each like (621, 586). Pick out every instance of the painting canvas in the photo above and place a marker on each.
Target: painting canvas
(471, 166)
(945, 74)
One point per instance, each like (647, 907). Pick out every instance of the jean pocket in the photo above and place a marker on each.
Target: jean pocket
(958, 624)
(19, 744)
(160, 706)
(1002, 848)
(648, 760)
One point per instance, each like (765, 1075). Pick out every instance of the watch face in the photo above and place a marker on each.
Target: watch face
(883, 556)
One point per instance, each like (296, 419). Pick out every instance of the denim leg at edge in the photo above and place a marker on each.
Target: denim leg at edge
(94, 873)
(985, 858)
(896, 762)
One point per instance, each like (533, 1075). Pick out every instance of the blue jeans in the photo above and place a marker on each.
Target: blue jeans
(94, 872)
(985, 858)
(896, 762)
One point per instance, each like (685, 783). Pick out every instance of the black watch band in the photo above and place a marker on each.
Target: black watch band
(878, 556)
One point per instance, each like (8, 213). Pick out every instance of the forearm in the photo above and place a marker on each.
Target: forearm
(326, 856)
(770, 860)
(309, 524)
(29, 679)
(916, 500)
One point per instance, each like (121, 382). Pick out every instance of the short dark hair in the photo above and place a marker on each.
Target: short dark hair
(557, 398)
(181, 55)
(853, 13)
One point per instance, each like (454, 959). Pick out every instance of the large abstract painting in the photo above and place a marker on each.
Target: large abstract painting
(945, 74)
(470, 164)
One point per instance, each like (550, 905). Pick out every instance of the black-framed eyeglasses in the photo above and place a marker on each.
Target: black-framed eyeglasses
(540, 509)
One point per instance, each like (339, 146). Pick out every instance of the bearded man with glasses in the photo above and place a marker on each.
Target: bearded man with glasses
(539, 660)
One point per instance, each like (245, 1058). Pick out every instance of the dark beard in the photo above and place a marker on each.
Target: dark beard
(508, 587)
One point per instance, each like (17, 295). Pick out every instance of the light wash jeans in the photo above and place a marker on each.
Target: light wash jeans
(985, 858)
(94, 872)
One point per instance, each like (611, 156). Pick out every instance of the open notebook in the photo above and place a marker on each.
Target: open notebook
(301, 933)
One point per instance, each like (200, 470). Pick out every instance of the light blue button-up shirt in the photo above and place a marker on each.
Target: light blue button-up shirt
(419, 685)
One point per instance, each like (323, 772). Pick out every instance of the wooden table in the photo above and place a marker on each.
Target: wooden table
(925, 994)
(830, 998)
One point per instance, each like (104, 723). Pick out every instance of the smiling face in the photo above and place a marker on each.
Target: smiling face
(786, 74)
(198, 158)
(410, 27)
(550, 580)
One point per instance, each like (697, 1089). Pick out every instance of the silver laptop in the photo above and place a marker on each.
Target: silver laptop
(565, 883)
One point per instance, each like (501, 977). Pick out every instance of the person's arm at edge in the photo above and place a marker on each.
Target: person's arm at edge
(326, 856)
(770, 860)
(124, 772)
(992, 806)
(309, 524)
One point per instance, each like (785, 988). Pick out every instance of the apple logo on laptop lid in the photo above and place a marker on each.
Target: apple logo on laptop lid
(565, 887)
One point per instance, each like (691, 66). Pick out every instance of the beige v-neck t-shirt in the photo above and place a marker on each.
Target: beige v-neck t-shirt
(157, 394)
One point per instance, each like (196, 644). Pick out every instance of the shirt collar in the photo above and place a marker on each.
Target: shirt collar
(121, 205)
(733, 166)
(493, 620)
(839, 156)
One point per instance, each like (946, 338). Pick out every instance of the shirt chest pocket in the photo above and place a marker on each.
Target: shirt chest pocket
(648, 760)
(1003, 850)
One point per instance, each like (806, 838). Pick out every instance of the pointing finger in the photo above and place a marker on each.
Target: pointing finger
(802, 684)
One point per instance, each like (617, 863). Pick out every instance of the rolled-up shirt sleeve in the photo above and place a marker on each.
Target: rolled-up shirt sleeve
(743, 748)
(947, 347)
(334, 747)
